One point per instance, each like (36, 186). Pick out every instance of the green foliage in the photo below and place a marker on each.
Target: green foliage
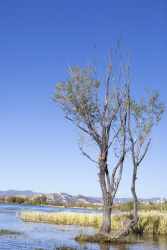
(146, 208)
(73, 205)
(147, 113)
(128, 206)
(57, 204)
(75, 94)
(28, 201)
(125, 207)
(79, 205)
(2, 199)
(40, 200)
(78, 98)
(19, 200)
(11, 198)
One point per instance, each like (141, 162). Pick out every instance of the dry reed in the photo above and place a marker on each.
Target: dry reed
(65, 218)
(150, 222)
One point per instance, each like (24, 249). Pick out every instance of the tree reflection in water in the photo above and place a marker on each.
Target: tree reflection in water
(107, 246)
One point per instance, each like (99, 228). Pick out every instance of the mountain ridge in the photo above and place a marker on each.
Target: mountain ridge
(67, 198)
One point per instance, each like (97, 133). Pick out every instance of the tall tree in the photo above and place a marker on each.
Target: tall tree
(142, 117)
(103, 120)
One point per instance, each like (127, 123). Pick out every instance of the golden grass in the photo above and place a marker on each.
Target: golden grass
(154, 222)
(65, 218)
(150, 222)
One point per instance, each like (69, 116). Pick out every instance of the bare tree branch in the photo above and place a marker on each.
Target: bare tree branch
(115, 134)
(144, 152)
(120, 161)
(77, 125)
(87, 156)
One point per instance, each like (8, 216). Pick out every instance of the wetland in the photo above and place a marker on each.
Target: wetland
(37, 235)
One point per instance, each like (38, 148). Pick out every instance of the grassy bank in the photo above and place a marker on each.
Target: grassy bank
(4, 232)
(81, 207)
(100, 238)
(153, 222)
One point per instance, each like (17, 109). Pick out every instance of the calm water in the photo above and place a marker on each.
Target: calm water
(48, 236)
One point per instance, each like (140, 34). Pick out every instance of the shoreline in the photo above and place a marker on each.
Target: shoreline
(44, 205)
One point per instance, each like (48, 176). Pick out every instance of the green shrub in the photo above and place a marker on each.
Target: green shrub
(2, 199)
(28, 202)
(11, 198)
(40, 200)
(19, 200)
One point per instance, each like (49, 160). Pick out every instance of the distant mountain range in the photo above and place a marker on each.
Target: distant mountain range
(124, 200)
(15, 192)
(52, 197)
(67, 198)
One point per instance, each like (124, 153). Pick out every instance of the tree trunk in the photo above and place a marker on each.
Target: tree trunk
(123, 232)
(107, 199)
(106, 224)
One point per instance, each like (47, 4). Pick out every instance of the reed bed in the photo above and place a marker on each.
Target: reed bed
(153, 222)
(65, 218)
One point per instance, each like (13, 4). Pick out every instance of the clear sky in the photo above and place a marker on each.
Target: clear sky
(38, 146)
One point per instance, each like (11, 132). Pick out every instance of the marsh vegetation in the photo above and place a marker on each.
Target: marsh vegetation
(101, 238)
(4, 232)
(37, 235)
(153, 222)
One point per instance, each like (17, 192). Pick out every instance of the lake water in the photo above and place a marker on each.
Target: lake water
(45, 236)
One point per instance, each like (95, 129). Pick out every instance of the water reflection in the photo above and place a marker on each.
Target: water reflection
(108, 247)
(49, 236)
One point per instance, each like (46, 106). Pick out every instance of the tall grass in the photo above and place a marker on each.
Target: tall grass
(154, 222)
(65, 218)
(150, 222)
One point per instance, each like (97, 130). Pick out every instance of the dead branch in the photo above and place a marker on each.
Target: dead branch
(87, 156)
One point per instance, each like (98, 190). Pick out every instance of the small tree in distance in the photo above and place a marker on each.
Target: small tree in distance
(105, 120)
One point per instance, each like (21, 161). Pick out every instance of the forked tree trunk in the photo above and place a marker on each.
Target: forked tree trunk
(129, 223)
(123, 232)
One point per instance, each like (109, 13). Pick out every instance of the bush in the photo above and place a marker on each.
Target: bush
(19, 200)
(28, 202)
(11, 198)
(40, 200)
(2, 199)
(153, 207)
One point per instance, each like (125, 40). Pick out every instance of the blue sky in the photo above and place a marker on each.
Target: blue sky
(38, 146)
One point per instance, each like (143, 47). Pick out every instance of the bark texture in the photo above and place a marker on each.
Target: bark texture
(123, 232)
(106, 224)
